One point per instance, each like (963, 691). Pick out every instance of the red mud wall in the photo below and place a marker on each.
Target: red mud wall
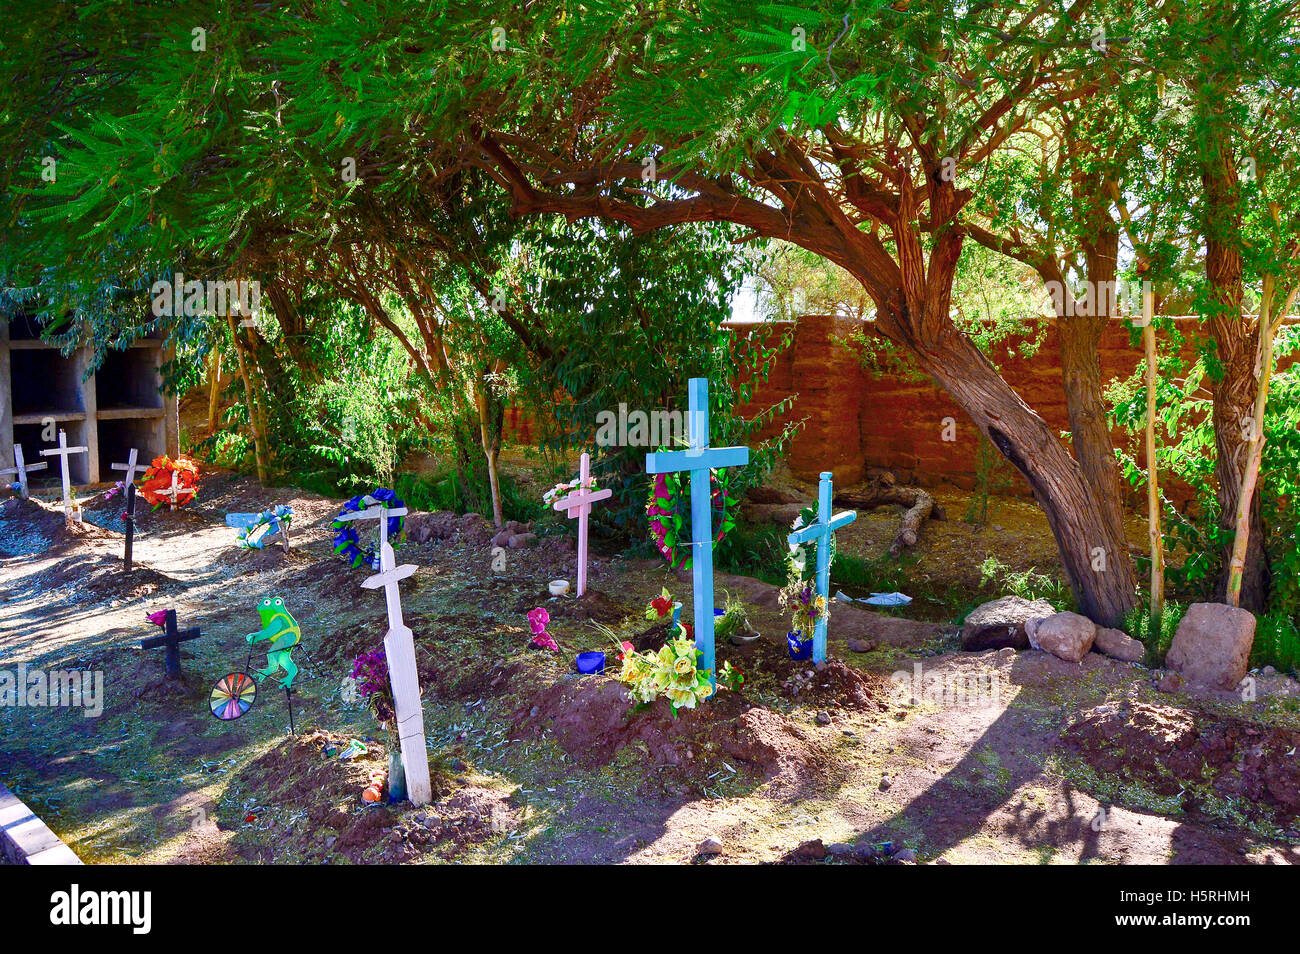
(859, 418)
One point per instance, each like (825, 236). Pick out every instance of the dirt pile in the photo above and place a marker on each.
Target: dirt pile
(28, 527)
(1219, 765)
(592, 720)
(98, 577)
(299, 778)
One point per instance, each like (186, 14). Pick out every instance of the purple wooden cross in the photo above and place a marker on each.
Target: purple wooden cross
(578, 504)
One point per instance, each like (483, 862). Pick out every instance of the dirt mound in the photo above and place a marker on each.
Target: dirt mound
(100, 577)
(1215, 764)
(443, 525)
(592, 720)
(592, 605)
(250, 560)
(297, 778)
(28, 527)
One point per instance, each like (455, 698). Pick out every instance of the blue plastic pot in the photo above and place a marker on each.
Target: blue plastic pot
(591, 663)
(799, 648)
(677, 615)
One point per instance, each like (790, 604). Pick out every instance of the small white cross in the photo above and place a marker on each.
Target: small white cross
(172, 492)
(63, 450)
(22, 469)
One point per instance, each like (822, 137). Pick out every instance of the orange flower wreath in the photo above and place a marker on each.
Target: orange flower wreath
(159, 478)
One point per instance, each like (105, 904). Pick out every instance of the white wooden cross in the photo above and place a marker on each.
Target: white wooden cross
(128, 492)
(22, 469)
(578, 504)
(399, 649)
(63, 450)
(130, 467)
(172, 492)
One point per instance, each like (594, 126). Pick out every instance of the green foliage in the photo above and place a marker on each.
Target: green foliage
(448, 491)
(1027, 584)
(1187, 453)
(1137, 623)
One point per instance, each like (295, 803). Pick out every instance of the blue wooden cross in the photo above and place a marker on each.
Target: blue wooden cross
(699, 459)
(821, 530)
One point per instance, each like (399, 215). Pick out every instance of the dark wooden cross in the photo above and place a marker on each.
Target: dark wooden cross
(172, 639)
(128, 517)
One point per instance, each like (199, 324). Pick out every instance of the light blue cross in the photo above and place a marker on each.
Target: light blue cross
(821, 530)
(699, 459)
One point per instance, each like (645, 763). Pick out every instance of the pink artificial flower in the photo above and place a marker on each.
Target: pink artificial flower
(545, 641)
(537, 620)
(158, 618)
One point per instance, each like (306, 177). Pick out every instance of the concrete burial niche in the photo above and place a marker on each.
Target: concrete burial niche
(118, 407)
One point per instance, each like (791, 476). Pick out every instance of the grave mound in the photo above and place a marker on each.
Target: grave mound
(1217, 764)
(295, 778)
(592, 720)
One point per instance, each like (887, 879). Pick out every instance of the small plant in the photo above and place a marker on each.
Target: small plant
(1027, 584)
(1138, 625)
(990, 479)
(734, 619)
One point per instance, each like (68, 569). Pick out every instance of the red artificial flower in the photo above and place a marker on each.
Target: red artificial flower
(661, 605)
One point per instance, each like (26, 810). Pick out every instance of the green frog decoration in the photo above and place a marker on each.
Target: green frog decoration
(283, 632)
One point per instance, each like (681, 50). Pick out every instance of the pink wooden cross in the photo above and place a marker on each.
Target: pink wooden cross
(578, 504)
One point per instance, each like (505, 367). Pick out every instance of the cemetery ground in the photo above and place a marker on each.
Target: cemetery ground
(1059, 762)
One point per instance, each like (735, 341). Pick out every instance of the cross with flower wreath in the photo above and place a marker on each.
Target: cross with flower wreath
(699, 459)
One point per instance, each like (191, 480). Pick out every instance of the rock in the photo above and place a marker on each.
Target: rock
(840, 849)
(1212, 645)
(1118, 645)
(862, 645)
(885, 783)
(1067, 635)
(1169, 682)
(906, 856)
(522, 540)
(501, 538)
(1268, 671)
(941, 861)
(812, 850)
(1001, 622)
(710, 846)
(823, 718)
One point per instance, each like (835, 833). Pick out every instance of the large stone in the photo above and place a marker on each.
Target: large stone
(1001, 623)
(1212, 645)
(1118, 645)
(1067, 635)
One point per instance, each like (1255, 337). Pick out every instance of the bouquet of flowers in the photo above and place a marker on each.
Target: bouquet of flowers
(804, 604)
(156, 483)
(660, 606)
(538, 619)
(370, 676)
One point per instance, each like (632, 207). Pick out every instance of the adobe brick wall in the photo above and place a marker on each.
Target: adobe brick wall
(895, 418)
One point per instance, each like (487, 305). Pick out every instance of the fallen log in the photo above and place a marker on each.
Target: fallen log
(882, 492)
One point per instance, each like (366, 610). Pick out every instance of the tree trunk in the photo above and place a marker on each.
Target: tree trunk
(1234, 392)
(1093, 551)
(214, 393)
(254, 423)
(491, 446)
(1154, 534)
